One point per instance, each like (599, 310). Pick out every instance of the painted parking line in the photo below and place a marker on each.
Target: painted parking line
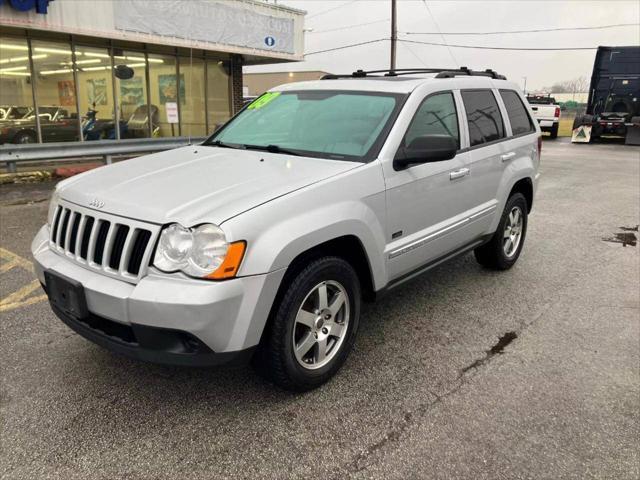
(24, 295)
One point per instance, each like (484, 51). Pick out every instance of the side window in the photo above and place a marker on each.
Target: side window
(483, 116)
(436, 115)
(518, 116)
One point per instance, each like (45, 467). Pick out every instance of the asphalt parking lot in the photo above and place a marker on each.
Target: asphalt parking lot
(463, 373)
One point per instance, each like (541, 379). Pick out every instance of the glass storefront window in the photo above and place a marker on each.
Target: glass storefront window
(95, 92)
(132, 97)
(55, 91)
(192, 111)
(218, 95)
(16, 100)
(164, 89)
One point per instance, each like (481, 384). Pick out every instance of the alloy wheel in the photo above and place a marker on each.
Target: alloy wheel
(513, 232)
(321, 325)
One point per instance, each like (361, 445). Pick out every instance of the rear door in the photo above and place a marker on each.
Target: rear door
(486, 156)
(521, 146)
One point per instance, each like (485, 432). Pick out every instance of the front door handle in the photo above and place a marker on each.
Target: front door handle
(458, 173)
(508, 156)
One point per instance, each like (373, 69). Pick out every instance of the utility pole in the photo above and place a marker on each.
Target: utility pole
(525, 85)
(394, 35)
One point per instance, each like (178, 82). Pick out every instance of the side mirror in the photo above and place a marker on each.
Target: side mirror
(123, 72)
(426, 148)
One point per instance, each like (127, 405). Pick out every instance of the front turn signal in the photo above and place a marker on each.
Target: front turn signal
(231, 264)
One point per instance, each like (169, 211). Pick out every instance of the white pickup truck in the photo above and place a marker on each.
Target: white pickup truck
(546, 111)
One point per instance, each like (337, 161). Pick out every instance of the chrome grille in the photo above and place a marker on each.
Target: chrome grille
(116, 246)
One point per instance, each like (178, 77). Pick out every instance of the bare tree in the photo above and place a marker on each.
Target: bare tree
(579, 84)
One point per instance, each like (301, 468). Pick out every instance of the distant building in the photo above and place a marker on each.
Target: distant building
(258, 83)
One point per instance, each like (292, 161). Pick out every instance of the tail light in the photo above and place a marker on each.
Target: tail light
(557, 112)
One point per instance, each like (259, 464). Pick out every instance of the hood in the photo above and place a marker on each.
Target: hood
(196, 184)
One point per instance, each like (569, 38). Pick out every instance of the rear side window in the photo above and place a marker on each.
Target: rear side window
(436, 115)
(518, 116)
(483, 116)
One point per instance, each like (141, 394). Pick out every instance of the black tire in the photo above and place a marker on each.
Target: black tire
(554, 131)
(275, 358)
(492, 254)
(582, 120)
(25, 137)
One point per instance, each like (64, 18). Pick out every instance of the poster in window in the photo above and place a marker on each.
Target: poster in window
(168, 90)
(131, 91)
(97, 91)
(66, 93)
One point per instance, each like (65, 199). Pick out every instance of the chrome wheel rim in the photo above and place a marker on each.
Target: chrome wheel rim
(321, 325)
(513, 232)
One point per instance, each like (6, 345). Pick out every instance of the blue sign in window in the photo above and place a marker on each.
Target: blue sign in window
(41, 6)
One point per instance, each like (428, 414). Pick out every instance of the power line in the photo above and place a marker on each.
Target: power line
(330, 9)
(345, 27)
(346, 46)
(415, 55)
(539, 30)
(444, 40)
(524, 49)
(478, 47)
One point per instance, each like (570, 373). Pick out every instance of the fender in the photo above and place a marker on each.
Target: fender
(520, 168)
(353, 204)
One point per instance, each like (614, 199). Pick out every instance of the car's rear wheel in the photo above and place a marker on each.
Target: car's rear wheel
(554, 131)
(313, 326)
(24, 137)
(504, 248)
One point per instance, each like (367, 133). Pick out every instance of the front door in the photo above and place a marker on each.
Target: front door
(425, 202)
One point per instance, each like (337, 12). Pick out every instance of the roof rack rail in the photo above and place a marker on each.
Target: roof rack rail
(441, 73)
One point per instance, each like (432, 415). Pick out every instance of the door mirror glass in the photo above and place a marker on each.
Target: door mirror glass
(427, 148)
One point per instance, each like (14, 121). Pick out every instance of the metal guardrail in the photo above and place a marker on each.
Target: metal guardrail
(11, 154)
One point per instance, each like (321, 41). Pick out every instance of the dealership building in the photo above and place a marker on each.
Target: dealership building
(59, 58)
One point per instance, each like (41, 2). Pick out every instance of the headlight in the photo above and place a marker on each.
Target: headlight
(53, 203)
(200, 252)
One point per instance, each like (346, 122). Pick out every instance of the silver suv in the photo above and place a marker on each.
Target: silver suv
(262, 242)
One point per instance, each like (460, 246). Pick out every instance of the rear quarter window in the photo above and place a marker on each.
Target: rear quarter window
(483, 116)
(518, 116)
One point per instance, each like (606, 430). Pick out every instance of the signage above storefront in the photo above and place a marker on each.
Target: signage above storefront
(40, 6)
(207, 21)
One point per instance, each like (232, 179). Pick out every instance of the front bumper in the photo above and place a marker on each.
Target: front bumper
(166, 319)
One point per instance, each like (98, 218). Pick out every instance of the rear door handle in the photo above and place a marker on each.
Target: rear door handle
(508, 156)
(458, 173)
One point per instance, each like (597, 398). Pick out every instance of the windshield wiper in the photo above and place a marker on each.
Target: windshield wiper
(218, 143)
(272, 149)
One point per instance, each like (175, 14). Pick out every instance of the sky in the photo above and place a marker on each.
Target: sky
(325, 20)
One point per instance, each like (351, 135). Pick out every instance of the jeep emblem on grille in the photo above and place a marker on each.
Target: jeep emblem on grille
(96, 203)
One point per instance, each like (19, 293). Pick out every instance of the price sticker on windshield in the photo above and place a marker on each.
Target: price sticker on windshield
(263, 100)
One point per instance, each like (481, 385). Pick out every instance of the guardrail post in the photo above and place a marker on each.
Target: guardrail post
(11, 167)
(107, 159)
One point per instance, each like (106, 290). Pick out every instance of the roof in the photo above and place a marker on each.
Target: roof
(400, 84)
(402, 80)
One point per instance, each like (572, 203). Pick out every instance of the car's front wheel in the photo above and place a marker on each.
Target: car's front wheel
(313, 326)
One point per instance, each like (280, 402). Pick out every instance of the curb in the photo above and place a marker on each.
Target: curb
(44, 175)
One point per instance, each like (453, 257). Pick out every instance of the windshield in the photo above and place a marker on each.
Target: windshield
(326, 124)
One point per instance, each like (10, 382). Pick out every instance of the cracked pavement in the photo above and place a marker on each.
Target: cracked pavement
(419, 397)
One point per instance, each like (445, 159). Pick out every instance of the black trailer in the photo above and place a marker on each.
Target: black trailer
(614, 97)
